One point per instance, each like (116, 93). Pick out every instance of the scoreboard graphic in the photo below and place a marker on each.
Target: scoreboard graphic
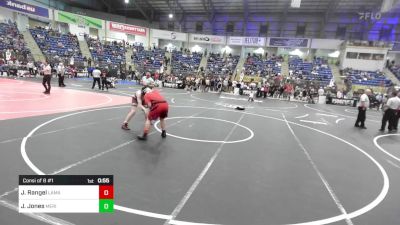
(66, 194)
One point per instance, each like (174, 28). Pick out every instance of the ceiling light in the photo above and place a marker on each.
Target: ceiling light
(296, 52)
(170, 15)
(259, 51)
(126, 1)
(196, 48)
(295, 4)
(226, 49)
(334, 54)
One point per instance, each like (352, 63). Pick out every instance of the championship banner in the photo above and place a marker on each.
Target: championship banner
(247, 41)
(168, 35)
(209, 39)
(79, 20)
(289, 42)
(25, 8)
(129, 29)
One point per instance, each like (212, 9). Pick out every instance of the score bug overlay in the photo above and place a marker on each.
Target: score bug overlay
(66, 194)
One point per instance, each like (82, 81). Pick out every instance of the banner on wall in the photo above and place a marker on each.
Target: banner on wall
(168, 35)
(79, 20)
(210, 39)
(289, 42)
(129, 29)
(25, 8)
(247, 41)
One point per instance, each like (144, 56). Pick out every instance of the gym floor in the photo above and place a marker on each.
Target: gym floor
(276, 162)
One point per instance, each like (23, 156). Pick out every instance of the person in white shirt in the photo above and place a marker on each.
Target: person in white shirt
(60, 73)
(8, 55)
(339, 94)
(397, 116)
(46, 70)
(391, 109)
(321, 91)
(30, 67)
(96, 77)
(147, 80)
(363, 105)
(72, 61)
(251, 96)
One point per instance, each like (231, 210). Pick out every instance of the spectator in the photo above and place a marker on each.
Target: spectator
(321, 91)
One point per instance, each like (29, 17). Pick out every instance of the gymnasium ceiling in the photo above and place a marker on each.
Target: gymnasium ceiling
(152, 10)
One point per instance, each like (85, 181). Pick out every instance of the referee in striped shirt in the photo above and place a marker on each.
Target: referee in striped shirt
(46, 77)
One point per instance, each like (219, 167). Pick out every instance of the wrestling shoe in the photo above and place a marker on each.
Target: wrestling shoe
(125, 126)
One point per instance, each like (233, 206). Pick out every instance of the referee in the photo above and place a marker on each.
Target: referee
(363, 105)
(391, 108)
(46, 77)
(96, 77)
(397, 116)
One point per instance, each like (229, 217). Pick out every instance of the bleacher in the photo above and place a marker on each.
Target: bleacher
(396, 71)
(108, 53)
(58, 47)
(185, 63)
(11, 38)
(367, 78)
(317, 71)
(298, 64)
(149, 60)
(220, 65)
(255, 64)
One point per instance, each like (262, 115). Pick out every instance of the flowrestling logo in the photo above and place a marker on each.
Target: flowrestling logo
(130, 29)
(24, 8)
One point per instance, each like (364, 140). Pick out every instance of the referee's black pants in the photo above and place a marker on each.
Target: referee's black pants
(388, 116)
(396, 117)
(96, 79)
(61, 80)
(360, 122)
(46, 83)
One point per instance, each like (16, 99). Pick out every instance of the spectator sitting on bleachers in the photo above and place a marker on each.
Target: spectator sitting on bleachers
(317, 71)
(185, 62)
(149, 60)
(368, 78)
(256, 65)
(12, 44)
(57, 47)
(111, 52)
(222, 65)
(395, 70)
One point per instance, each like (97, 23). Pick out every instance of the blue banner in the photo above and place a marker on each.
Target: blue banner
(288, 42)
(25, 8)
